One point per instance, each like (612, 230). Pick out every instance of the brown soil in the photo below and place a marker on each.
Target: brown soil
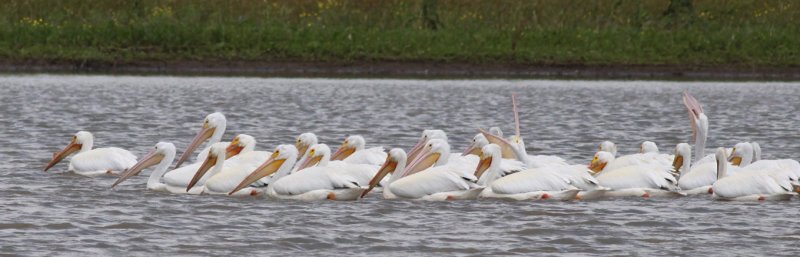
(406, 69)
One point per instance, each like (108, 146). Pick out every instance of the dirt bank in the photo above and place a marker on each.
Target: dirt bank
(405, 70)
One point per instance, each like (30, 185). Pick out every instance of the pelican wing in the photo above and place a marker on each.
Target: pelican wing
(102, 159)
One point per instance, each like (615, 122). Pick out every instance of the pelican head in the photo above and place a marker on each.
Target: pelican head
(489, 153)
(427, 135)
(242, 143)
(395, 160)
(496, 131)
(317, 154)
(215, 158)
(350, 145)
(435, 153)
(648, 147)
(478, 142)
(213, 127)
(81, 141)
(683, 158)
(742, 154)
(304, 141)
(281, 160)
(608, 146)
(600, 160)
(162, 153)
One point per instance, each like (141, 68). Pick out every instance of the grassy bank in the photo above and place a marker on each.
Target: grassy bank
(743, 33)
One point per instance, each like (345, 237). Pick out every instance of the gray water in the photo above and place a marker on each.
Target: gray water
(56, 213)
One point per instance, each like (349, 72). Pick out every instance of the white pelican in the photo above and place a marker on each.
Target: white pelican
(507, 166)
(279, 164)
(178, 179)
(648, 154)
(539, 183)
(427, 135)
(608, 146)
(743, 154)
(92, 162)
(313, 183)
(696, 178)
(319, 155)
(745, 185)
(354, 151)
(162, 156)
(699, 122)
(430, 177)
(213, 129)
(644, 180)
(395, 164)
(515, 149)
(304, 141)
(242, 164)
(214, 162)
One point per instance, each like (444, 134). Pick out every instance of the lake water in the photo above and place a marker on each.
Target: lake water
(56, 213)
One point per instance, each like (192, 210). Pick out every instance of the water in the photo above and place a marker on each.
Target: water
(62, 214)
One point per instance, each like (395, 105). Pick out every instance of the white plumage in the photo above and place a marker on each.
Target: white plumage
(440, 182)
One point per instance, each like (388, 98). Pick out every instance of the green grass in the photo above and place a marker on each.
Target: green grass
(594, 32)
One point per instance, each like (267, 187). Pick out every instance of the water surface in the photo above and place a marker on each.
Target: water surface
(63, 214)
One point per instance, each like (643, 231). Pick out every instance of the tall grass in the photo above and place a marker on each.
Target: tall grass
(728, 32)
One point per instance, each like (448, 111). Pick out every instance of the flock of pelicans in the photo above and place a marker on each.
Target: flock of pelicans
(491, 167)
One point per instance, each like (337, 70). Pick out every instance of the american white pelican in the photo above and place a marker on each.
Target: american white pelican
(427, 135)
(313, 183)
(515, 149)
(507, 166)
(430, 177)
(237, 168)
(214, 162)
(693, 179)
(743, 153)
(395, 164)
(608, 146)
(354, 151)
(648, 154)
(748, 185)
(162, 156)
(93, 162)
(488, 169)
(304, 141)
(644, 180)
(213, 129)
(319, 155)
(699, 123)
(540, 183)
(279, 165)
(178, 179)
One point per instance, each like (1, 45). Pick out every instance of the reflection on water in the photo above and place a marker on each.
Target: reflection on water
(62, 214)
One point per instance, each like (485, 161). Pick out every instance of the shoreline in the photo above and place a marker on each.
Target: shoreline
(406, 69)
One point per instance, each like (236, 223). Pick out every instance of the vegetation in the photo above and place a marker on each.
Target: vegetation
(593, 32)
